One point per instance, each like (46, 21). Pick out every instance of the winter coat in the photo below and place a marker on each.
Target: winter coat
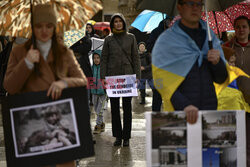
(179, 58)
(155, 34)
(197, 89)
(146, 63)
(82, 47)
(243, 62)
(96, 87)
(92, 34)
(114, 60)
(19, 78)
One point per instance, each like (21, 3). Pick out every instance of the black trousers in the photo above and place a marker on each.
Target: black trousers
(117, 130)
(157, 100)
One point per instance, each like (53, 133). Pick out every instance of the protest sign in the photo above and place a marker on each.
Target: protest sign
(121, 86)
(39, 131)
(97, 44)
(216, 139)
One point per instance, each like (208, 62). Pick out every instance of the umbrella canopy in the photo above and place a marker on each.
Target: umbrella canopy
(223, 21)
(71, 14)
(101, 26)
(169, 6)
(148, 20)
(72, 36)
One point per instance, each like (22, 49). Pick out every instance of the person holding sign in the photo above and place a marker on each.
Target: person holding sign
(120, 57)
(57, 68)
(188, 68)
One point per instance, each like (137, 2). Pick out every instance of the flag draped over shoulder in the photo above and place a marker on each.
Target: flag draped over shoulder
(173, 56)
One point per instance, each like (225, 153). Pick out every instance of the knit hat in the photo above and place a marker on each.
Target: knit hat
(44, 13)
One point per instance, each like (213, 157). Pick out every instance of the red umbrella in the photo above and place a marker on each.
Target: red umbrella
(101, 26)
(223, 21)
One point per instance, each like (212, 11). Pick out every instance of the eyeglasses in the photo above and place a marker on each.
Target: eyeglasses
(192, 4)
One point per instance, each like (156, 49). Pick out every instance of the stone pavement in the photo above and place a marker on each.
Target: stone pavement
(106, 155)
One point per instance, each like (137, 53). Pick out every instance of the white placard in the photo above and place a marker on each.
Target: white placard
(121, 86)
(217, 139)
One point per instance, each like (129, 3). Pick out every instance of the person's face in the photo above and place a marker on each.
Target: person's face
(96, 59)
(232, 60)
(142, 48)
(52, 118)
(242, 30)
(118, 23)
(89, 28)
(190, 11)
(44, 31)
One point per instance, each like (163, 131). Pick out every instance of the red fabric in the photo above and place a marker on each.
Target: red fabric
(225, 19)
(101, 26)
(243, 44)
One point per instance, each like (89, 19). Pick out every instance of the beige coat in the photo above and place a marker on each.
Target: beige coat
(19, 78)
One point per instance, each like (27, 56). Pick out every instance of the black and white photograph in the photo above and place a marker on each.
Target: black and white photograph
(44, 128)
(212, 120)
(173, 157)
(174, 119)
(169, 139)
(219, 130)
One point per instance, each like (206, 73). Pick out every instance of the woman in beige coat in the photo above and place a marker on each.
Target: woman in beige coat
(57, 67)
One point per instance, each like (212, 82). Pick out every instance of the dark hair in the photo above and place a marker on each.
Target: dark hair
(242, 18)
(57, 49)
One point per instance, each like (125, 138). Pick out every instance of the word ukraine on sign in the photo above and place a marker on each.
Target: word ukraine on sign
(121, 86)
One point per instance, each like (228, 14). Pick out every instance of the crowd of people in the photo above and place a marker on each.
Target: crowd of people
(180, 50)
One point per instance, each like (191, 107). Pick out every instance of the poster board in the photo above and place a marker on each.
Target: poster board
(39, 131)
(217, 139)
(121, 86)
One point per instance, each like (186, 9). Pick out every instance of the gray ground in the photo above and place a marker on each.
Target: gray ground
(106, 155)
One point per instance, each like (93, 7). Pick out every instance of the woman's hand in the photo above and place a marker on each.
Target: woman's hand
(56, 88)
(33, 55)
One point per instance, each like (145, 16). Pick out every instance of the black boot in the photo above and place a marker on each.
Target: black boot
(118, 142)
(125, 142)
(142, 100)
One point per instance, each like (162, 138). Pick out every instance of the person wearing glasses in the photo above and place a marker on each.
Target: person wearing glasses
(183, 50)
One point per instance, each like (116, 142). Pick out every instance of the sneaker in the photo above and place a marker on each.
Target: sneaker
(97, 129)
(103, 127)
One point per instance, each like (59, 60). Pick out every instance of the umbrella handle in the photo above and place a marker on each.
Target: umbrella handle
(210, 45)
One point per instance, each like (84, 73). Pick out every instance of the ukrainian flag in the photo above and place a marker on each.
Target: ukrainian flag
(173, 56)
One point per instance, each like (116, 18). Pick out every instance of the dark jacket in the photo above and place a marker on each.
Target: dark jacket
(92, 34)
(119, 54)
(146, 63)
(197, 89)
(155, 34)
(82, 47)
